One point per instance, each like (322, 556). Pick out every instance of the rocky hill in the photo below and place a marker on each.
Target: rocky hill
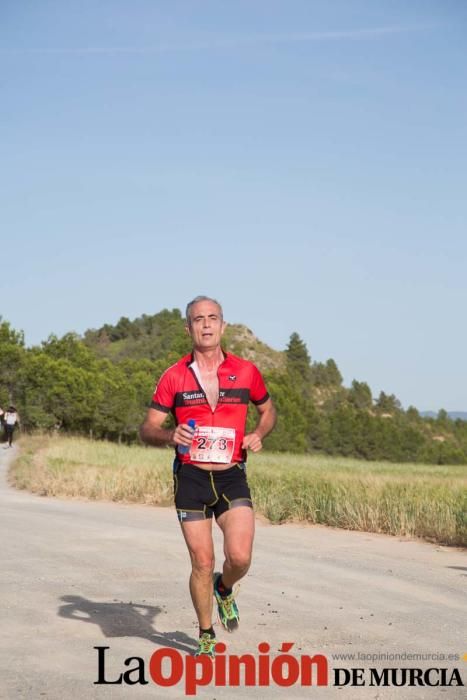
(242, 341)
(153, 336)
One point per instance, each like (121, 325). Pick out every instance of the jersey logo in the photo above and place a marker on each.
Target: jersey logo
(232, 377)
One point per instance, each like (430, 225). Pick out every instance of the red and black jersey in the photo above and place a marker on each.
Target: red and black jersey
(179, 392)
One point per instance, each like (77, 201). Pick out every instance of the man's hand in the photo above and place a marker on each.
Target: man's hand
(183, 435)
(152, 431)
(252, 441)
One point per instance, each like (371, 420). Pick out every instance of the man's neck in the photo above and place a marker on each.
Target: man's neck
(208, 359)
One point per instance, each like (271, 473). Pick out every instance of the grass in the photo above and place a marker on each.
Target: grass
(419, 500)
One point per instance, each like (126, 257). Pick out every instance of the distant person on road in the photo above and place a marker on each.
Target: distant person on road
(208, 392)
(10, 421)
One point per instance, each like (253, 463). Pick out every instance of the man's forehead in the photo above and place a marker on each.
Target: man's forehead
(204, 308)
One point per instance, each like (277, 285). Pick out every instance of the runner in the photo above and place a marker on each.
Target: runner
(10, 421)
(208, 393)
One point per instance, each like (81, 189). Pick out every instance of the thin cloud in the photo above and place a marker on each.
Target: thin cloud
(234, 42)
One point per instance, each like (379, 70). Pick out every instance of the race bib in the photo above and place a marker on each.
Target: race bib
(212, 444)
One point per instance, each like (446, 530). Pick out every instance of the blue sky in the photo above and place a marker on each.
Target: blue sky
(303, 161)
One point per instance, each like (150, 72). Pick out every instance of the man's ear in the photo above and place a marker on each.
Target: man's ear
(187, 329)
(224, 326)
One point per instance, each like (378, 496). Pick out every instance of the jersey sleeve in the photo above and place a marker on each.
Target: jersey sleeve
(163, 397)
(258, 392)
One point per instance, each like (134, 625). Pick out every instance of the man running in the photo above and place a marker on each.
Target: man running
(208, 392)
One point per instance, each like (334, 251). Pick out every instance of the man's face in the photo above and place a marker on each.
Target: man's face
(207, 327)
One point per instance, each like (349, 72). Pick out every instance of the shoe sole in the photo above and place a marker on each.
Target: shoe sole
(232, 625)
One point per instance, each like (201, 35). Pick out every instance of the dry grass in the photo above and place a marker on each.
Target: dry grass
(427, 501)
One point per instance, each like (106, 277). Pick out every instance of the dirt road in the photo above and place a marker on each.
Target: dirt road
(76, 575)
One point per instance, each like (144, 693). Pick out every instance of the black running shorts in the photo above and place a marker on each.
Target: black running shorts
(201, 493)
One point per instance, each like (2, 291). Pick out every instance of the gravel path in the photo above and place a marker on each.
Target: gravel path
(76, 574)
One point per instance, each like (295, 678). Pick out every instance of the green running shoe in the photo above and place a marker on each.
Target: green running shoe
(206, 645)
(227, 609)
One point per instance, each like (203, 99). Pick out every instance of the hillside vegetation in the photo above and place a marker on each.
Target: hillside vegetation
(100, 385)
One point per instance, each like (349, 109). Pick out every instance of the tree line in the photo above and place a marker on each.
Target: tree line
(100, 385)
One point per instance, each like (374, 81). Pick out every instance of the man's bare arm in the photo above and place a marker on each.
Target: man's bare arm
(266, 422)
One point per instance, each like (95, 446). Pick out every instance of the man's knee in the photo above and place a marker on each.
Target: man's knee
(239, 559)
(202, 563)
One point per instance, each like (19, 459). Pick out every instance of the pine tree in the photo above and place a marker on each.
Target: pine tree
(360, 395)
(298, 358)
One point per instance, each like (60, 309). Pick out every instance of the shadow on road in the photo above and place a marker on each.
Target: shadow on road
(124, 620)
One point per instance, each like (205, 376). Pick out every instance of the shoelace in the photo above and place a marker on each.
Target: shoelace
(228, 602)
(206, 644)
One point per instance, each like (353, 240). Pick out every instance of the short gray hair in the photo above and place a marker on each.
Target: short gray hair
(195, 301)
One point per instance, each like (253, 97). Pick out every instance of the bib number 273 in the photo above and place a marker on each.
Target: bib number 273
(212, 444)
